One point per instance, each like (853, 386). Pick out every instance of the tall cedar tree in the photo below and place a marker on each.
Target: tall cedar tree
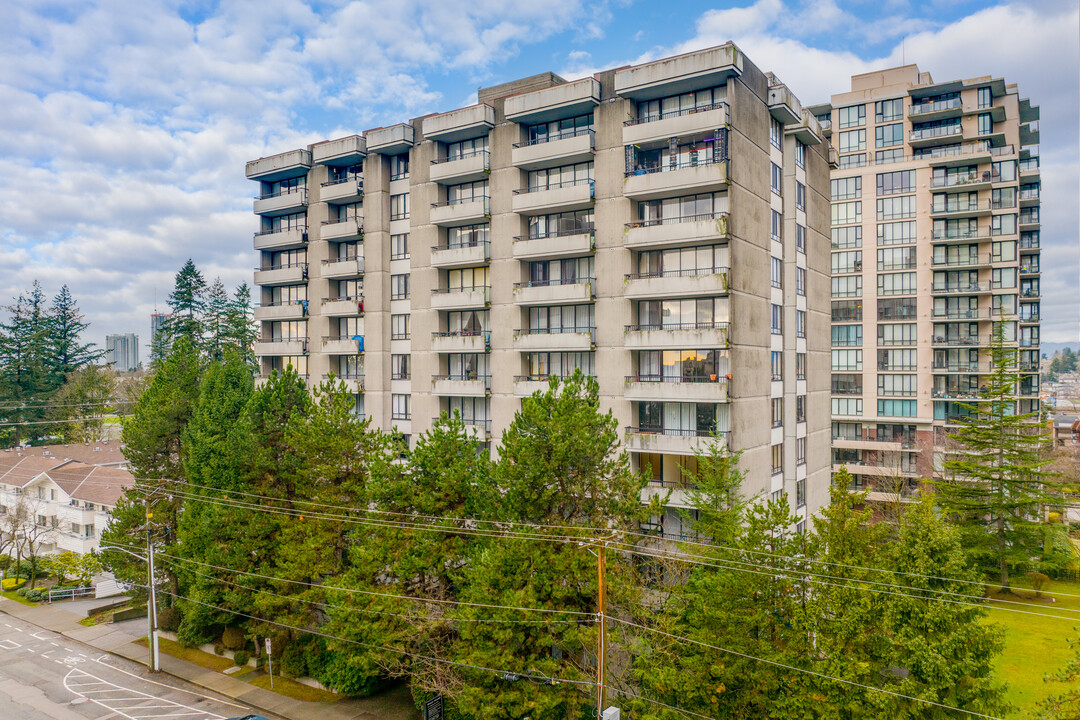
(66, 324)
(215, 321)
(560, 464)
(998, 477)
(187, 303)
(241, 331)
(26, 381)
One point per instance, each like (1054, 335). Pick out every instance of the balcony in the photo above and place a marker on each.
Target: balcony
(980, 234)
(961, 341)
(469, 167)
(961, 261)
(478, 430)
(891, 470)
(461, 385)
(962, 209)
(1029, 293)
(294, 163)
(342, 152)
(554, 292)
(572, 242)
(886, 443)
(282, 347)
(283, 202)
(461, 124)
(676, 389)
(967, 153)
(1029, 220)
(460, 299)
(1029, 241)
(350, 229)
(289, 239)
(526, 385)
(460, 213)
(342, 307)
(961, 289)
(1029, 168)
(971, 180)
(460, 341)
(680, 123)
(569, 147)
(669, 440)
(339, 345)
(280, 311)
(353, 383)
(290, 274)
(941, 135)
(676, 335)
(959, 367)
(564, 197)
(467, 255)
(350, 267)
(1030, 269)
(938, 110)
(681, 283)
(554, 339)
(683, 177)
(1029, 197)
(342, 191)
(962, 315)
(684, 230)
(392, 140)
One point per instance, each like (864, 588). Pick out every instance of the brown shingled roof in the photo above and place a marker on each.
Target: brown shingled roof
(92, 483)
(97, 453)
(18, 470)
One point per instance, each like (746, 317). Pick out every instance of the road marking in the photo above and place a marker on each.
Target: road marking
(76, 679)
(9, 644)
(100, 661)
(38, 635)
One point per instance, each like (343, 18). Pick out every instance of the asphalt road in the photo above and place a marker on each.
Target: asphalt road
(45, 676)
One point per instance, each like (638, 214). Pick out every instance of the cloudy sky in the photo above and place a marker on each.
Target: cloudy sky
(124, 126)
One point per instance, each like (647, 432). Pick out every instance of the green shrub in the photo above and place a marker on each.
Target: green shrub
(240, 657)
(219, 649)
(5, 562)
(294, 661)
(21, 592)
(34, 595)
(169, 619)
(13, 584)
(233, 638)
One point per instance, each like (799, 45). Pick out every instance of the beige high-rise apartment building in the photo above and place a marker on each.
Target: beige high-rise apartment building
(662, 227)
(935, 238)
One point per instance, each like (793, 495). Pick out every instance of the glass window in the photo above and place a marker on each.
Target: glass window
(896, 283)
(896, 334)
(399, 247)
(399, 166)
(847, 262)
(776, 132)
(847, 286)
(800, 366)
(846, 188)
(847, 213)
(399, 206)
(777, 364)
(896, 233)
(800, 281)
(800, 323)
(800, 238)
(402, 407)
(889, 110)
(847, 237)
(895, 208)
(851, 116)
(847, 311)
(853, 141)
(800, 196)
(776, 274)
(889, 135)
(847, 360)
(892, 183)
(800, 154)
(777, 320)
(847, 335)
(777, 412)
(399, 287)
(776, 226)
(847, 406)
(852, 161)
(887, 157)
(775, 178)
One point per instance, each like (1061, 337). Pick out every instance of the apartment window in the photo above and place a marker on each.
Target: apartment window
(901, 258)
(776, 273)
(897, 309)
(399, 327)
(889, 135)
(399, 287)
(399, 166)
(1003, 250)
(800, 323)
(986, 124)
(847, 385)
(800, 281)
(847, 213)
(1002, 198)
(557, 177)
(776, 132)
(846, 188)
(777, 412)
(399, 247)
(847, 406)
(848, 286)
(777, 322)
(897, 385)
(847, 262)
(846, 237)
(851, 116)
(570, 127)
(896, 233)
(800, 154)
(984, 98)
(800, 238)
(775, 179)
(466, 192)
(1005, 224)
(800, 366)
(896, 208)
(1003, 278)
(897, 360)
(887, 157)
(893, 183)
(852, 161)
(847, 360)
(400, 367)
(800, 459)
(776, 362)
(897, 408)
(800, 408)
(847, 335)
(466, 148)
(853, 141)
(467, 279)
(776, 225)
(777, 452)
(399, 206)
(1005, 170)
(401, 407)
(889, 110)
(800, 196)
(896, 334)
(847, 311)
(896, 283)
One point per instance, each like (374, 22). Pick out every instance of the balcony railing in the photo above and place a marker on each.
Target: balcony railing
(552, 137)
(937, 106)
(580, 229)
(561, 330)
(968, 178)
(273, 231)
(553, 186)
(462, 156)
(962, 234)
(552, 282)
(351, 178)
(653, 222)
(706, 158)
(283, 266)
(302, 191)
(716, 379)
(972, 259)
(934, 132)
(693, 272)
(960, 315)
(464, 377)
(677, 432)
(463, 333)
(957, 289)
(972, 367)
(460, 245)
(963, 207)
(653, 117)
(677, 326)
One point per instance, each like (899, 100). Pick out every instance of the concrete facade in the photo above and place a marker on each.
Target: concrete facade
(935, 237)
(662, 227)
(122, 351)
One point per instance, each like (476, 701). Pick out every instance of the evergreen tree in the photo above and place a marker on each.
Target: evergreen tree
(241, 331)
(66, 325)
(215, 320)
(187, 303)
(25, 378)
(83, 402)
(998, 475)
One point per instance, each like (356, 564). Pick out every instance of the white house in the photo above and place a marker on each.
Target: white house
(57, 505)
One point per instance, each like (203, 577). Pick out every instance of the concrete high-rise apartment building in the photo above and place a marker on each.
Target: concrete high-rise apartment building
(122, 351)
(935, 236)
(662, 227)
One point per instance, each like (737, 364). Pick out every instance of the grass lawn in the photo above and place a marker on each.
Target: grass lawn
(295, 690)
(1034, 645)
(194, 655)
(12, 595)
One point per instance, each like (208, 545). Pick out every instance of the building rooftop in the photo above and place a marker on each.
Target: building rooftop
(101, 453)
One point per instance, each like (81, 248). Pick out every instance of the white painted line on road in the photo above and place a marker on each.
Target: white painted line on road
(38, 635)
(171, 687)
(78, 678)
(9, 645)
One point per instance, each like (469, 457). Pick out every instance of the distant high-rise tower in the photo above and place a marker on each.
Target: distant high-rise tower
(122, 351)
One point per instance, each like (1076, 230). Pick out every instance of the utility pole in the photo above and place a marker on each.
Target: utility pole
(600, 640)
(151, 611)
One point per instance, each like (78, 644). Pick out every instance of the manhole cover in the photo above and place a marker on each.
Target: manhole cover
(79, 701)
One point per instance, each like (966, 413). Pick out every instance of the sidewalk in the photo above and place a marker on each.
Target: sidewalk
(119, 639)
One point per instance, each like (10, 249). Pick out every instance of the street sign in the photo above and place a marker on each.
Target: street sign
(266, 641)
(433, 708)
